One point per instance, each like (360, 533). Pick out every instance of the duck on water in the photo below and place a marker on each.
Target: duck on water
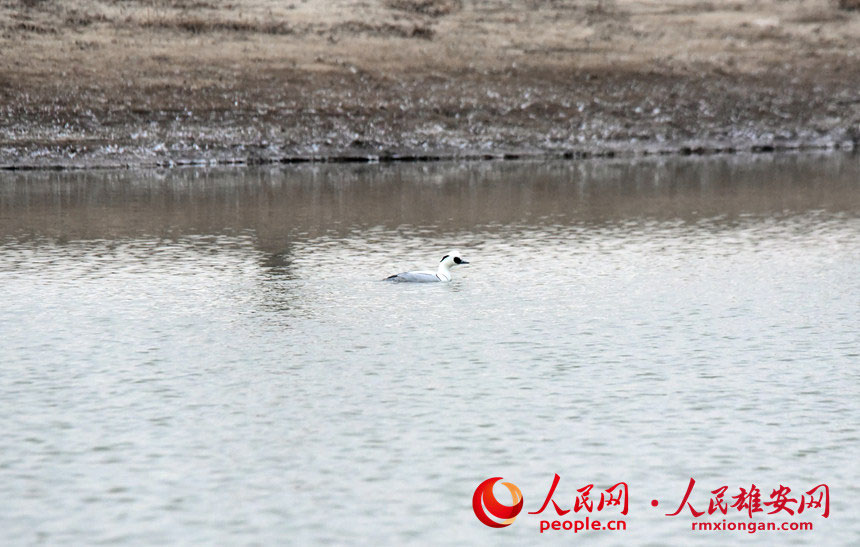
(443, 272)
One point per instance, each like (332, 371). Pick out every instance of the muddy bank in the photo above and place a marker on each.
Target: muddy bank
(156, 82)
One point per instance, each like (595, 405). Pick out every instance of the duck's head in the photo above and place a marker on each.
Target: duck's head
(452, 259)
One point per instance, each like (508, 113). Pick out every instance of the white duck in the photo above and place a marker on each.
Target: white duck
(443, 272)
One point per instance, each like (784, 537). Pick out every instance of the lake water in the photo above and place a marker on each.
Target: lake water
(209, 356)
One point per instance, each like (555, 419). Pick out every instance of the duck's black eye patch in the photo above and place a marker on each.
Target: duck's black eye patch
(444, 257)
(457, 260)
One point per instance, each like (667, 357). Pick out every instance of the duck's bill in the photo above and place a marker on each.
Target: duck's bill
(463, 262)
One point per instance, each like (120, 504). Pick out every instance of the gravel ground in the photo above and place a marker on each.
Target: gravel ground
(157, 82)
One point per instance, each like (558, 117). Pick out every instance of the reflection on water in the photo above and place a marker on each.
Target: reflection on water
(210, 356)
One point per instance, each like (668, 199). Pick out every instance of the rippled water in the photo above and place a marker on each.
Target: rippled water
(209, 356)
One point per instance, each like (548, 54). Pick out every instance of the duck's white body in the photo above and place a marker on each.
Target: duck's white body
(443, 272)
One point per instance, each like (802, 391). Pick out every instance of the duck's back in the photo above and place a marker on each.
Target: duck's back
(414, 277)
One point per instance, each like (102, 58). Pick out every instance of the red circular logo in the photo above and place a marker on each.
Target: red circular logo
(486, 505)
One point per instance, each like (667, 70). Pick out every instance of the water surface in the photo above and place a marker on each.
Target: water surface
(209, 356)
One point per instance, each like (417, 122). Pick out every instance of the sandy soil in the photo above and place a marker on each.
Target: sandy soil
(141, 82)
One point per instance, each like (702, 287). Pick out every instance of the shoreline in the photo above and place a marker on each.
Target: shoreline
(155, 84)
(686, 151)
